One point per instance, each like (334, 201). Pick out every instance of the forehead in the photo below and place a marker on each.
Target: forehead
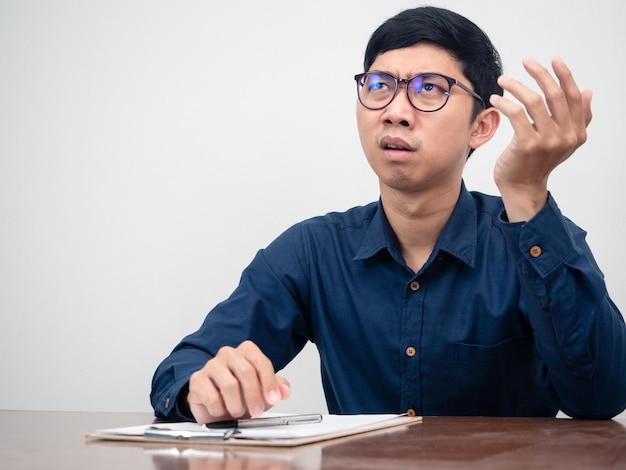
(419, 58)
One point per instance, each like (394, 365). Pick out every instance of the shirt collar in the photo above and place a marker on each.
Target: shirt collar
(379, 236)
(458, 237)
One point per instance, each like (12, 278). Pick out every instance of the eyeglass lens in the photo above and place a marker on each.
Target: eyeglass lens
(427, 92)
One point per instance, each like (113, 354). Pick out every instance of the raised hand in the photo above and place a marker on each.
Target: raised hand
(546, 132)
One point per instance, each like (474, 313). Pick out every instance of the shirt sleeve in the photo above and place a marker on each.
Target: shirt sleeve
(580, 334)
(268, 307)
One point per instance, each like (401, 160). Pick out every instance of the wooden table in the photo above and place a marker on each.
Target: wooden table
(55, 440)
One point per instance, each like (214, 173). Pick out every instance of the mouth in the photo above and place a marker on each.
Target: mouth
(395, 144)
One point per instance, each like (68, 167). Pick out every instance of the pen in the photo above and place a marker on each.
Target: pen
(269, 421)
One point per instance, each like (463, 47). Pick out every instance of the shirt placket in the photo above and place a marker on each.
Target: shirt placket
(411, 346)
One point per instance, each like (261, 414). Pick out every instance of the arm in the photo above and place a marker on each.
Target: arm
(579, 333)
(226, 368)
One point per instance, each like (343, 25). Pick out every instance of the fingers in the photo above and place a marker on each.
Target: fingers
(558, 103)
(284, 387)
(263, 392)
(563, 106)
(568, 110)
(236, 382)
(578, 102)
(204, 399)
(552, 123)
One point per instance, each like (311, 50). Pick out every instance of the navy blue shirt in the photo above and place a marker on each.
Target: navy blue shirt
(504, 319)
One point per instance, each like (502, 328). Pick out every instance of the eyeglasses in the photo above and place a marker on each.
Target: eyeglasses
(427, 92)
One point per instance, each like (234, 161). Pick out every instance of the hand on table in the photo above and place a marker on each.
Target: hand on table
(237, 382)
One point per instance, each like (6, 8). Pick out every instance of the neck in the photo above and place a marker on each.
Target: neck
(418, 220)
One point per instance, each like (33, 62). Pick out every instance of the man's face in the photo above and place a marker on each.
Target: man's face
(410, 150)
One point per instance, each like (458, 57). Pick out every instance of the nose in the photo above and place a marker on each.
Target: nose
(400, 111)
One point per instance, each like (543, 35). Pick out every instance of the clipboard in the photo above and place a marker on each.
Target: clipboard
(331, 427)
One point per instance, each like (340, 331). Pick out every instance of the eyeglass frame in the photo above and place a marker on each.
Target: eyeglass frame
(451, 82)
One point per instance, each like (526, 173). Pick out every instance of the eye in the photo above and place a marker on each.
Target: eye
(429, 85)
(376, 82)
(417, 84)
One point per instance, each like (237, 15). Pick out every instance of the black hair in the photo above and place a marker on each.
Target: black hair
(466, 42)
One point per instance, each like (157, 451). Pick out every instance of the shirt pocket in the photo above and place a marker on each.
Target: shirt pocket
(501, 379)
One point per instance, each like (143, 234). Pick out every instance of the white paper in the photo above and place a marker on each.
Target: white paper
(330, 424)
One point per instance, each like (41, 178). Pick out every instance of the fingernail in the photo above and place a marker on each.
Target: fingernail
(257, 411)
(273, 397)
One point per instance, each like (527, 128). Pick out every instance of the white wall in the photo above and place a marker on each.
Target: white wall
(133, 190)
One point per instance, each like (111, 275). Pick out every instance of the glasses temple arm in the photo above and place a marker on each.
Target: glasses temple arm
(471, 92)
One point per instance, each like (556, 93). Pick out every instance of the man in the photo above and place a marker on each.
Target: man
(433, 300)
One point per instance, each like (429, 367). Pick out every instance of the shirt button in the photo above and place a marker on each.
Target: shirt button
(167, 402)
(411, 412)
(410, 351)
(535, 251)
(440, 257)
(414, 286)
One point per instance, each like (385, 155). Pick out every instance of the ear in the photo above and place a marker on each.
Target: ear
(484, 127)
